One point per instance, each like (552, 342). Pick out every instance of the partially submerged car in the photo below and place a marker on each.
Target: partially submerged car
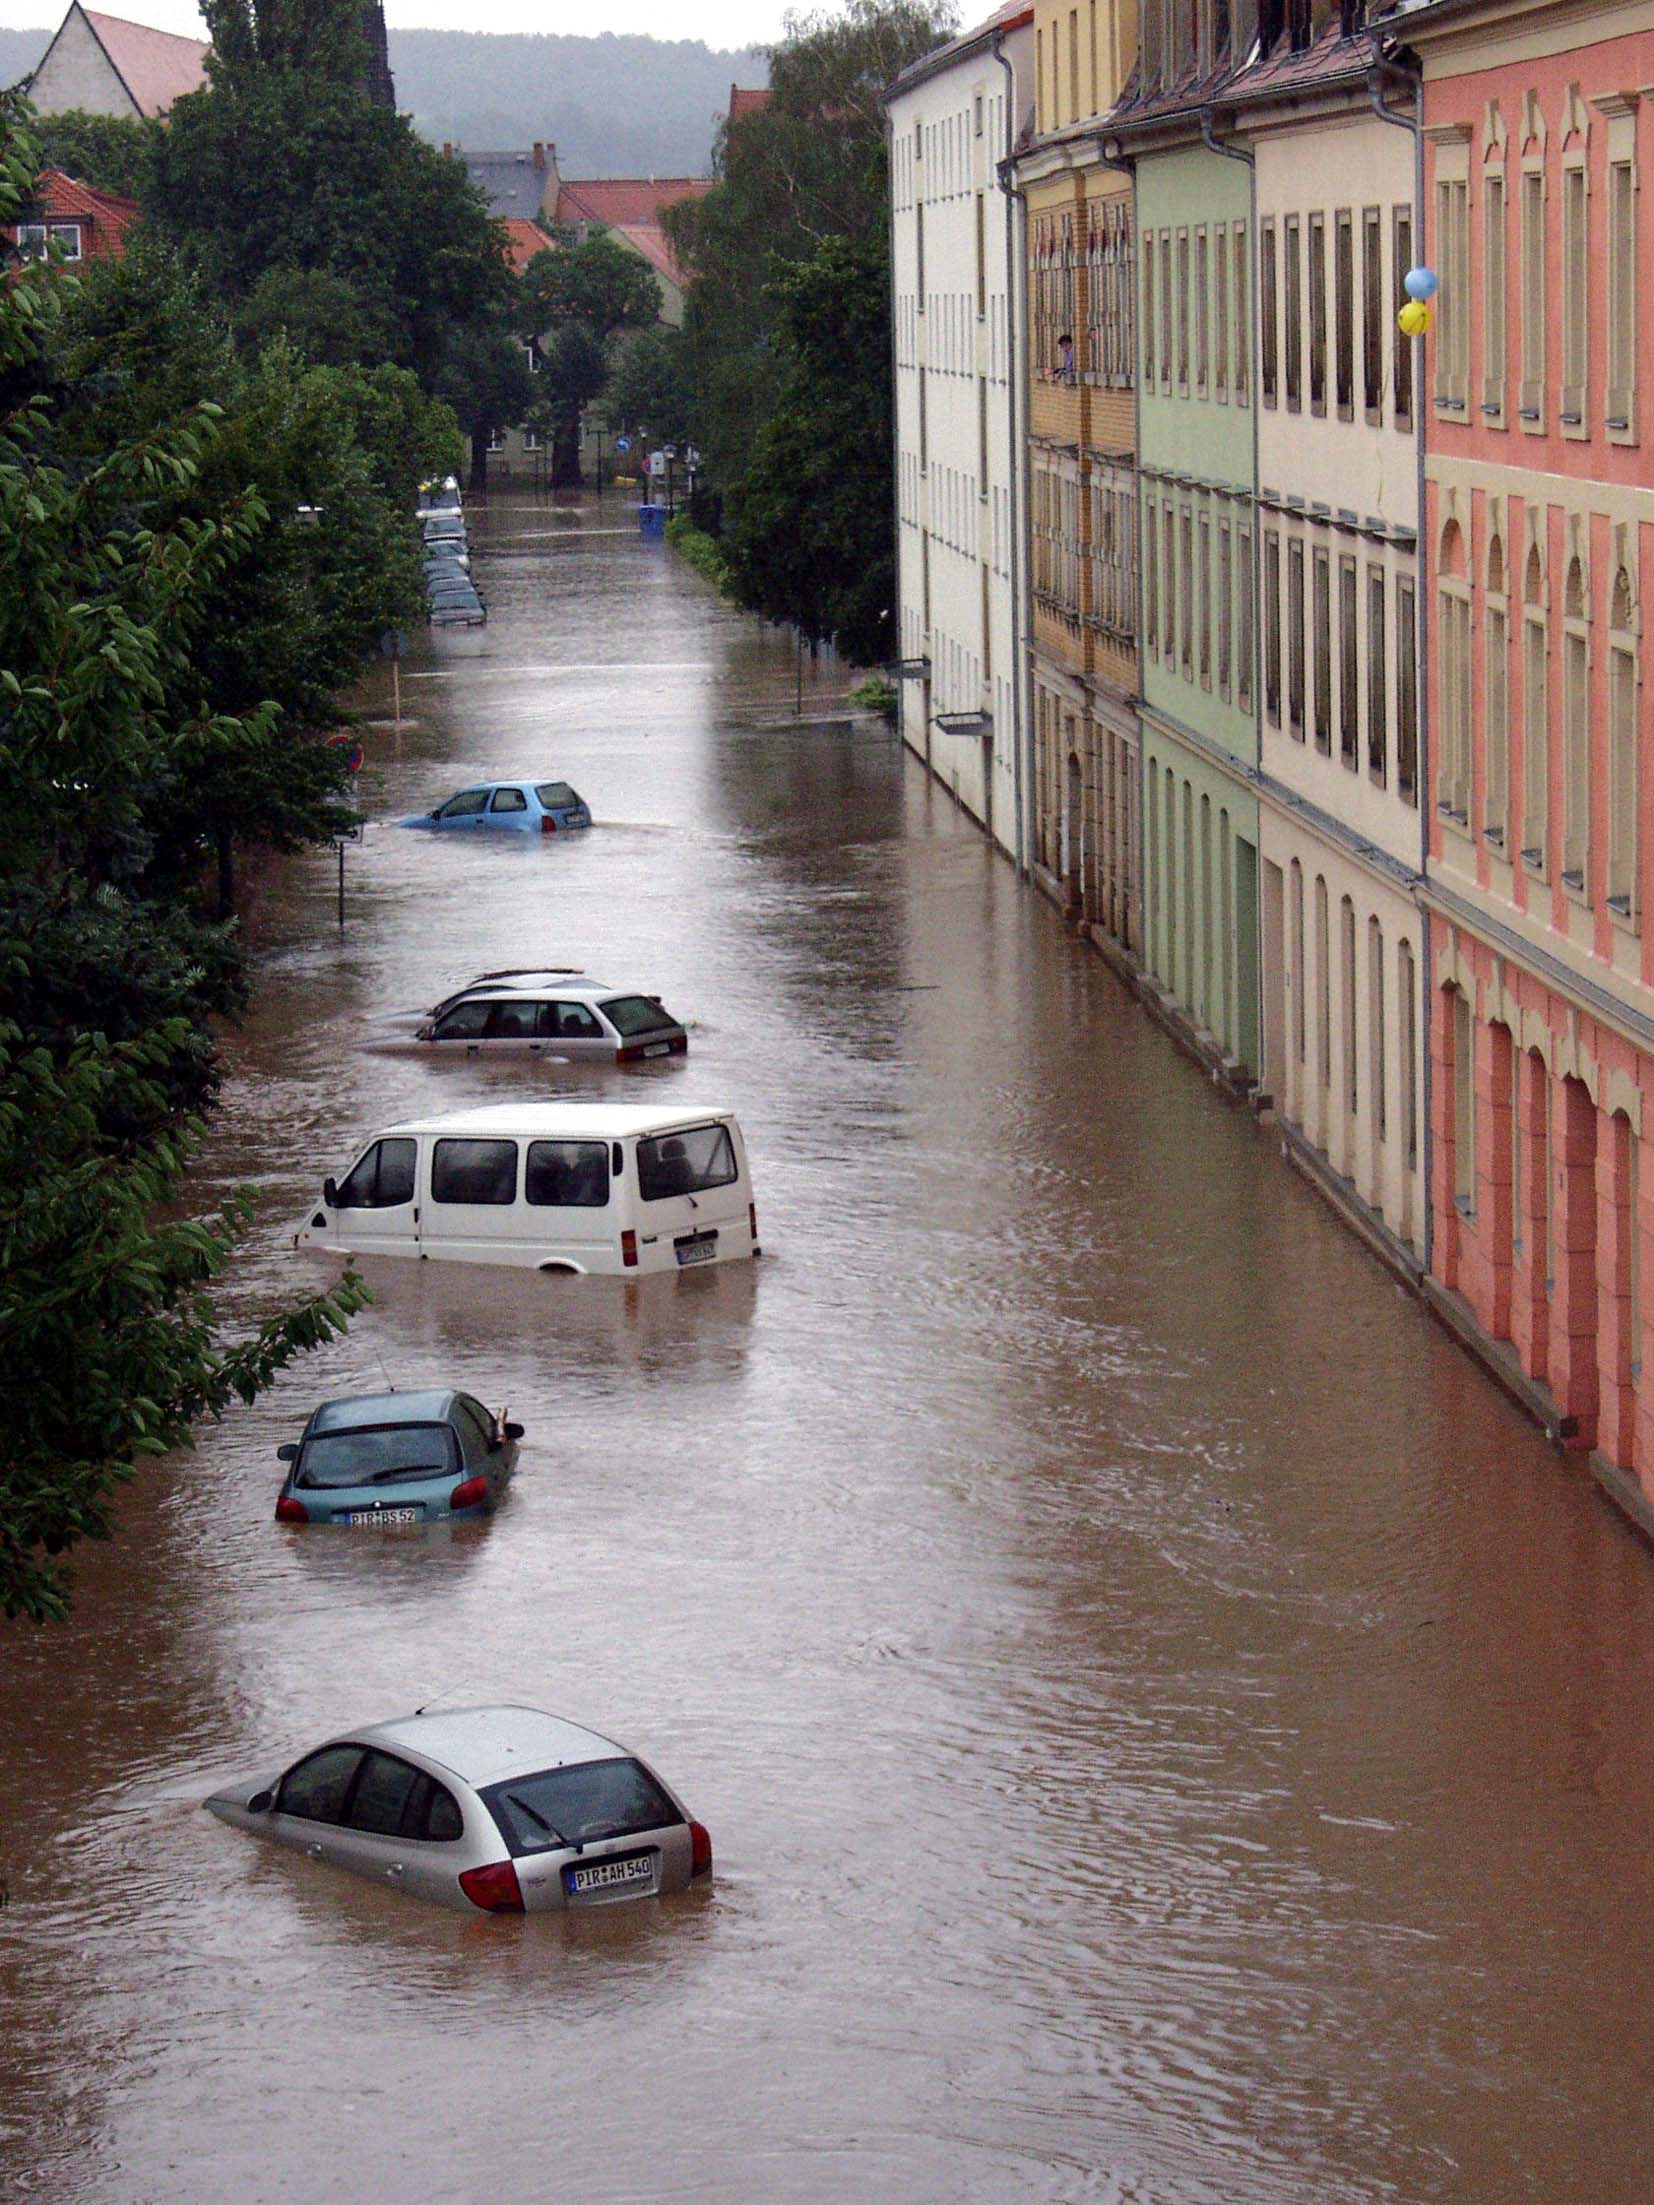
(569, 1019)
(376, 1460)
(528, 807)
(506, 1809)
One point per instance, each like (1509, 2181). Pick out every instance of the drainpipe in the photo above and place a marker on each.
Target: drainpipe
(1249, 163)
(1022, 617)
(1110, 156)
(1384, 65)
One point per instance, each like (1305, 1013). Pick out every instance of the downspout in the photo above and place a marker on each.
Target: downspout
(1385, 65)
(895, 416)
(1249, 162)
(1022, 620)
(1126, 165)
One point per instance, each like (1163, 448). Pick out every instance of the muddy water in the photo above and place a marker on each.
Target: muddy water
(1170, 1731)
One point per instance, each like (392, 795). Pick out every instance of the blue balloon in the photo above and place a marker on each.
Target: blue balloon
(1421, 283)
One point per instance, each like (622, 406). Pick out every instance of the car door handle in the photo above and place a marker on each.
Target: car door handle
(394, 1870)
(314, 1851)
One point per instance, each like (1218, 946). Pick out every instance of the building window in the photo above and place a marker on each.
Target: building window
(1621, 402)
(1375, 1031)
(1166, 317)
(1533, 296)
(1151, 574)
(1623, 778)
(1372, 314)
(1493, 298)
(1183, 289)
(1226, 606)
(1220, 316)
(1495, 701)
(1317, 313)
(1407, 693)
(1408, 1042)
(1272, 626)
(1205, 601)
(1349, 662)
(1299, 977)
(1378, 735)
(1352, 1089)
(1168, 583)
(981, 258)
(1575, 296)
(1243, 325)
(1295, 638)
(1576, 733)
(1203, 312)
(1453, 797)
(1323, 652)
(1464, 1104)
(1292, 318)
(1452, 343)
(496, 440)
(1243, 625)
(1403, 228)
(1148, 306)
(1323, 991)
(1187, 607)
(1536, 743)
(1268, 308)
(531, 440)
(1343, 324)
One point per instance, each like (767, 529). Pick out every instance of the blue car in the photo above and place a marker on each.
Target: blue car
(376, 1460)
(531, 807)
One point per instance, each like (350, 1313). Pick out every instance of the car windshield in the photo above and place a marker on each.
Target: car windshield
(635, 1014)
(556, 796)
(579, 1806)
(376, 1455)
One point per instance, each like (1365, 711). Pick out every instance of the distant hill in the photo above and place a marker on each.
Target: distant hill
(613, 106)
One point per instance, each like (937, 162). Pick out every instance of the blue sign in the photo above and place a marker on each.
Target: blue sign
(623, 443)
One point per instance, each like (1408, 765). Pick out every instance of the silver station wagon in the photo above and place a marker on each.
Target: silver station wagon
(578, 1019)
(501, 1808)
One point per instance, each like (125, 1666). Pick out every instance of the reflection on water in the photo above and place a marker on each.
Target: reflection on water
(1169, 1730)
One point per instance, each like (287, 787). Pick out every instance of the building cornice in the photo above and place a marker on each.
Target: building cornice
(1333, 830)
(1590, 995)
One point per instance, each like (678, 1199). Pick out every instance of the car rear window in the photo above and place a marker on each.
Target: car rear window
(685, 1163)
(636, 1014)
(579, 1806)
(554, 795)
(378, 1456)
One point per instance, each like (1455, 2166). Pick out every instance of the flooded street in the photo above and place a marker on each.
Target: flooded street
(1169, 1729)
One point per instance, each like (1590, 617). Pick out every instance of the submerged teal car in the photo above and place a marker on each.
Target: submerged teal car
(376, 1460)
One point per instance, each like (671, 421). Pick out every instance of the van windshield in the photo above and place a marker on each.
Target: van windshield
(376, 1456)
(685, 1163)
(636, 1014)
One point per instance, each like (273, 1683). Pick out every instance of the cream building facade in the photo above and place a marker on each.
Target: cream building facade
(955, 263)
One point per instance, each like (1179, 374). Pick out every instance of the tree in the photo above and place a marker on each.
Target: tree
(810, 538)
(322, 39)
(110, 1345)
(651, 386)
(486, 379)
(599, 285)
(109, 152)
(577, 371)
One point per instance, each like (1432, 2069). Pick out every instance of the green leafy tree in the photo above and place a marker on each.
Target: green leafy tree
(487, 381)
(576, 373)
(109, 152)
(322, 39)
(110, 1344)
(599, 285)
(809, 536)
(651, 386)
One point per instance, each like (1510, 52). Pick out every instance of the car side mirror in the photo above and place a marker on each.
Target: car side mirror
(513, 1431)
(330, 1192)
(261, 1803)
(288, 1451)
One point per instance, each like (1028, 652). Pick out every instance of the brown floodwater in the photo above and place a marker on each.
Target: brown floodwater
(1171, 1731)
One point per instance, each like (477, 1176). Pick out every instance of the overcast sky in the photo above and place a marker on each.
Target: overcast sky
(715, 22)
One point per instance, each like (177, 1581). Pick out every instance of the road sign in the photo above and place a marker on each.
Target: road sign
(354, 754)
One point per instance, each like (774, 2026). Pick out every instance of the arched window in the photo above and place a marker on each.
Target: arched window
(1496, 699)
(1536, 720)
(1454, 662)
(1576, 732)
(1624, 688)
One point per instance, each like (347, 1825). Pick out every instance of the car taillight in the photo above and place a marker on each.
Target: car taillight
(494, 1888)
(469, 1493)
(680, 1045)
(290, 1511)
(700, 1849)
(622, 1056)
(548, 825)
(628, 1249)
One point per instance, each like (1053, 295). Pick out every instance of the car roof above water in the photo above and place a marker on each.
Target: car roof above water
(484, 1745)
(509, 991)
(427, 1405)
(562, 1121)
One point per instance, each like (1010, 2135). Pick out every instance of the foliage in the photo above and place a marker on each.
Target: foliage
(809, 536)
(651, 387)
(598, 285)
(112, 543)
(321, 38)
(808, 166)
(699, 550)
(876, 694)
(109, 152)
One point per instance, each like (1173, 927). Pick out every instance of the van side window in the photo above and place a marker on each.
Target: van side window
(567, 1175)
(483, 1172)
(382, 1179)
(685, 1163)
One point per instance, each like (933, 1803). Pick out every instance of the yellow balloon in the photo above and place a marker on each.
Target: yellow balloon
(1414, 318)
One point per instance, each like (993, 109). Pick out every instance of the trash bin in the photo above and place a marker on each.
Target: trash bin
(651, 520)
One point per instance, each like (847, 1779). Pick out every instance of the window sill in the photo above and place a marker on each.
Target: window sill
(1573, 884)
(1534, 861)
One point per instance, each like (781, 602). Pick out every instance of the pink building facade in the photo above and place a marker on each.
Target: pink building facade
(1538, 518)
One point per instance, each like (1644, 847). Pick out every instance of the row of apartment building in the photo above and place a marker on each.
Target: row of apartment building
(1300, 659)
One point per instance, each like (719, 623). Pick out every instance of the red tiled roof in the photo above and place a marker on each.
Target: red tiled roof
(104, 216)
(747, 100)
(523, 240)
(649, 240)
(156, 67)
(619, 202)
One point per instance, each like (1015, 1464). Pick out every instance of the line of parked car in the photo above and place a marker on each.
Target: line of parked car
(455, 600)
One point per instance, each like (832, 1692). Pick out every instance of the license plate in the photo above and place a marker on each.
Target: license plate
(658, 1049)
(603, 1875)
(701, 1249)
(372, 1518)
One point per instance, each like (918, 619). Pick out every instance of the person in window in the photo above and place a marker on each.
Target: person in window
(1065, 359)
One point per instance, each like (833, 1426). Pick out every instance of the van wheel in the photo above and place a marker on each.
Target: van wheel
(560, 1270)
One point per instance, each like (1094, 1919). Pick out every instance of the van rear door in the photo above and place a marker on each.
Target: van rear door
(692, 1196)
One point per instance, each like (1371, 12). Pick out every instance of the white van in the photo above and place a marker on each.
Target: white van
(552, 1186)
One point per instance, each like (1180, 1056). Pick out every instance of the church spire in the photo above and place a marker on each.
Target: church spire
(377, 82)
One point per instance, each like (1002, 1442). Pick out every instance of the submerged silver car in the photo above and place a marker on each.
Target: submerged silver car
(502, 1808)
(573, 1019)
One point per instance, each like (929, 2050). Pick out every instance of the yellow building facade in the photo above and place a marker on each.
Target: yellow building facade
(1082, 479)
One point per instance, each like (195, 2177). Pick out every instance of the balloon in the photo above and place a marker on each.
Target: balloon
(1421, 283)
(1414, 318)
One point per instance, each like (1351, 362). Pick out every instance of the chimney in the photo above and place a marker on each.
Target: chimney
(539, 154)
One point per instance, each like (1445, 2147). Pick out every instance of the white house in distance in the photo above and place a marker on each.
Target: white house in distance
(956, 253)
(106, 66)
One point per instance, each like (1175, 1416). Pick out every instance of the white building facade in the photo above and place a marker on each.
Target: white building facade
(956, 259)
(1341, 747)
